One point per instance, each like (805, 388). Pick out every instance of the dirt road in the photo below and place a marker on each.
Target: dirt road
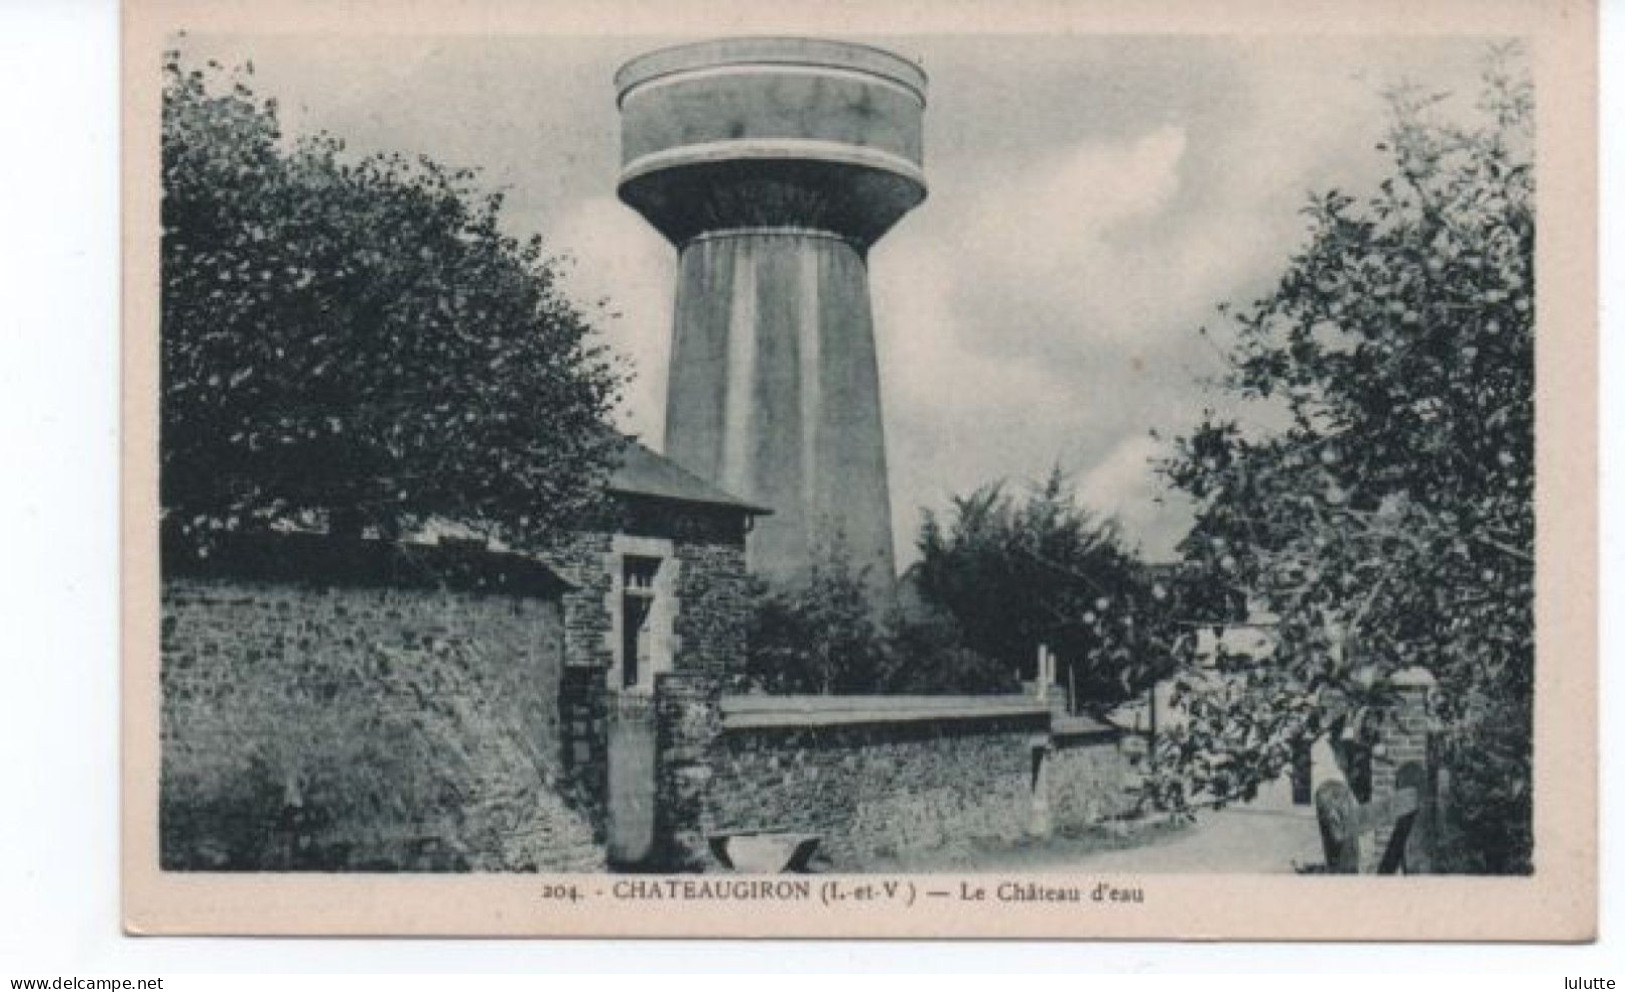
(1233, 841)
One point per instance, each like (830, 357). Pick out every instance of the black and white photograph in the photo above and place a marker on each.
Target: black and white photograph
(982, 472)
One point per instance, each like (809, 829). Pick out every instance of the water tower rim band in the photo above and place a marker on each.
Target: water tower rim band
(803, 54)
(758, 149)
(785, 231)
(650, 84)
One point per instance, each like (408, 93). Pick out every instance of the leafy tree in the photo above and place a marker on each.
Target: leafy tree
(1018, 573)
(926, 654)
(817, 634)
(821, 634)
(356, 343)
(1390, 521)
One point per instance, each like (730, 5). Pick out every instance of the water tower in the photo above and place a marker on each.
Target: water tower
(773, 164)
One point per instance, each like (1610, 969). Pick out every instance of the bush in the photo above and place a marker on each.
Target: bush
(1489, 825)
(927, 655)
(820, 636)
(1018, 571)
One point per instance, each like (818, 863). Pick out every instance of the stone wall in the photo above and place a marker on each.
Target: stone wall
(1407, 740)
(584, 707)
(906, 781)
(1088, 778)
(708, 545)
(585, 561)
(687, 727)
(712, 606)
(364, 708)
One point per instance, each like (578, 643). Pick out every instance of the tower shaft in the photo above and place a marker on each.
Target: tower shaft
(774, 392)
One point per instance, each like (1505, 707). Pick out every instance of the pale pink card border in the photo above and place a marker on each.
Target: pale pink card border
(1558, 903)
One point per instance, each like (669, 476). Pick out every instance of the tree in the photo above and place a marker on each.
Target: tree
(356, 343)
(818, 634)
(926, 654)
(1390, 522)
(1018, 573)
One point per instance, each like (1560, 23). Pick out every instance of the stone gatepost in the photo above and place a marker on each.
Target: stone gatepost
(583, 709)
(688, 721)
(1407, 740)
(1040, 822)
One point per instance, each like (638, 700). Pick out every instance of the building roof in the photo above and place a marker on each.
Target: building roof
(641, 472)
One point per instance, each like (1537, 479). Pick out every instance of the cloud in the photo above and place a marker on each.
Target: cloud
(1116, 483)
(1124, 485)
(1043, 307)
(1050, 240)
(992, 367)
(927, 360)
(1063, 202)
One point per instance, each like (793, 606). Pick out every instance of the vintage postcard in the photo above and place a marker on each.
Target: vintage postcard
(886, 469)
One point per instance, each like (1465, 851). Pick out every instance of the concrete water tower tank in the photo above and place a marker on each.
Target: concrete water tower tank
(773, 164)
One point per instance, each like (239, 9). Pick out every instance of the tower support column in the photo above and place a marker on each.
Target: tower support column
(774, 392)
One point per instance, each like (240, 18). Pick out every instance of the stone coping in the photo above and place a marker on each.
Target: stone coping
(1083, 727)
(312, 559)
(759, 712)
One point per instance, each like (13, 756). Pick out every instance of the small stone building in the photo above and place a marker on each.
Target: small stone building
(660, 582)
(660, 593)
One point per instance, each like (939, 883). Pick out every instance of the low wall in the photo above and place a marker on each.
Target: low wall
(371, 716)
(1088, 775)
(907, 780)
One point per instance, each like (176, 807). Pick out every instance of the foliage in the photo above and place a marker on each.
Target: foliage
(356, 343)
(926, 654)
(821, 634)
(1018, 573)
(817, 634)
(1390, 522)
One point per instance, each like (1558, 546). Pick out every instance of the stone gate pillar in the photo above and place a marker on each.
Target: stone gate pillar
(688, 720)
(583, 716)
(1407, 740)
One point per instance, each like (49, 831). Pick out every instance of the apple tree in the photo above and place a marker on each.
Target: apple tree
(1388, 521)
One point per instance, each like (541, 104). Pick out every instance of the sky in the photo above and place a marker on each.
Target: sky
(1092, 199)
